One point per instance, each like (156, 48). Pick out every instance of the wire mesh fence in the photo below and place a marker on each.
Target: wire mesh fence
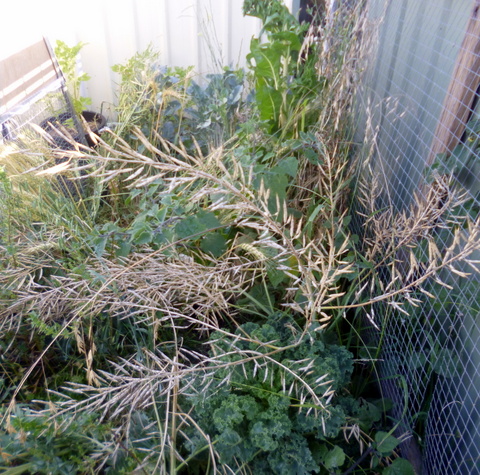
(17, 123)
(419, 102)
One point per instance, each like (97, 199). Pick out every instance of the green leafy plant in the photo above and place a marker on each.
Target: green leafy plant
(269, 410)
(277, 401)
(171, 103)
(31, 443)
(67, 58)
(287, 83)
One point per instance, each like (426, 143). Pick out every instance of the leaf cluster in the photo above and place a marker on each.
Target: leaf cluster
(171, 103)
(30, 443)
(67, 58)
(268, 400)
(286, 81)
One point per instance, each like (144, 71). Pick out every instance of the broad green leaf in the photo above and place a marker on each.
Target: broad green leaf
(368, 414)
(194, 226)
(276, 184)
(209, 220)
(399, 467)
(124, 249)
(313, 156)
(288, 38)
(334, 458)
(166, 236)
(235, 95)
(269, 102)
(264, 60)
(133, 194)
(143, 237)
(319, 452)
(99, 245)
(275, 276)
(386, 443)
(287, 166)
(214, 243)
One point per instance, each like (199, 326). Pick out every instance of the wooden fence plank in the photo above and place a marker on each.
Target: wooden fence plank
(461, 91)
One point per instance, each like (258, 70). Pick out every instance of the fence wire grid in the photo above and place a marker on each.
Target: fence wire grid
(420, 101)
(17, 123)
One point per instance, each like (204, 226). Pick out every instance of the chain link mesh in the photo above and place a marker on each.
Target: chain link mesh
(423, 77)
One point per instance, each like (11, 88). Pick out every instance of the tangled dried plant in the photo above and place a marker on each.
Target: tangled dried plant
(393, 239)
(150, 286)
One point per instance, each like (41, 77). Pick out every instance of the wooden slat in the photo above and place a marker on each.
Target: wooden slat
(25, 73)
(461, 91)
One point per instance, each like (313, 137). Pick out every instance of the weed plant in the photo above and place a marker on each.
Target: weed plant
(207, 316)
(67, 59)
(172, 103)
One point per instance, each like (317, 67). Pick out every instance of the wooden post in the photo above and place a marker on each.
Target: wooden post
(462, 90)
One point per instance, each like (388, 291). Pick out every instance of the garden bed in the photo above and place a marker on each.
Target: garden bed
(203, 308)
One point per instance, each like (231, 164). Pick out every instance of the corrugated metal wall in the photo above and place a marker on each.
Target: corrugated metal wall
(185, 32)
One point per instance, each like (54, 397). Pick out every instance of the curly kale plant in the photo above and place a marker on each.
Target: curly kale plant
(274, 400)
(269, 399)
